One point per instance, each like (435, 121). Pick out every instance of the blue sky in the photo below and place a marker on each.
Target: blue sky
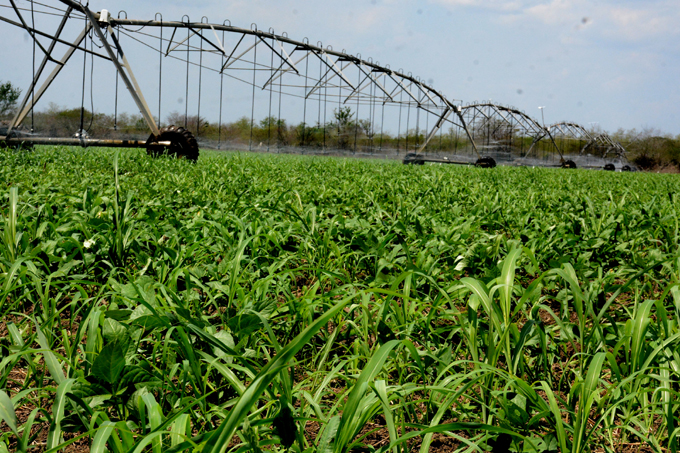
(614, 64)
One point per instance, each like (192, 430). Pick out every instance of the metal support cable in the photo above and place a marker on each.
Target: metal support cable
(200, 88)
(279, 122)
(44, 13)
(89, 127)
(186, 95)
(339, 108)
(375, 87)
(160, 72)
(427, 128)
(401, 107)
(269, 121)
(252, 111)
(31, 30)
(325, 108)
(318, 117)
(219, 127)
(247, 82)
(382, 119)
(115, 109)
(82, 103)
(33, 83)
(441, 138)
(304, 111)
(61, 11)
(356, 124)
(415, 146)
(408, 123)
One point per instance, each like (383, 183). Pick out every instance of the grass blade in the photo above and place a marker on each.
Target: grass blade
(103, 433)
(222, 436)
(51, 361)
(7, 413)
(348, 425)
(54, 435)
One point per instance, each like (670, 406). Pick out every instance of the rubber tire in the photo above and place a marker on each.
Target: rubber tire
(485, 162)
(183, 144)
(413, 159)
(626, 168)
(569, 164)
(609, 167)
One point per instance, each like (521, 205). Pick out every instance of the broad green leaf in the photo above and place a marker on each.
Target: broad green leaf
(325, 442)
(110, 362)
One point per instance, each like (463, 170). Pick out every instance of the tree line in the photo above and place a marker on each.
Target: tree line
(648, 148)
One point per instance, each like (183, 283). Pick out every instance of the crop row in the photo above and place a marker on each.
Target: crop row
(252, 303)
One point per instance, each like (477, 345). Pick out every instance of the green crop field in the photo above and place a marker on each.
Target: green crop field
(254, 303)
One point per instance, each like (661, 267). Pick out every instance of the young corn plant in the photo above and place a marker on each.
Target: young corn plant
(287, 303)
(11, 237)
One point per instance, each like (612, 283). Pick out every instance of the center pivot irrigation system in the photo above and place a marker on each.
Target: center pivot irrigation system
(258, 84)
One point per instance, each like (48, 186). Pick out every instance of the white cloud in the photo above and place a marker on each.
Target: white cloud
(611, 20)
(500, 5)
(628, 21)
(642, 23)
(558, 11)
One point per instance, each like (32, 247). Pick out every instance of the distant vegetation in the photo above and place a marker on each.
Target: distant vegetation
(8, 98)
(649, 149)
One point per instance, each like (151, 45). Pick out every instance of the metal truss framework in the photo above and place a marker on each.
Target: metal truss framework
(342, 80)
(500, 125)
(601, 144)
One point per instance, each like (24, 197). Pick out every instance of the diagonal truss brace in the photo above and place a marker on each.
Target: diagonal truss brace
(540, 137)
(280, 54)
(231, 61)
(332, 66)
(30, 93)
(369, 75)
(217, 47)
(420, 87)
(124, 69)
(172, 38)
(444, 116)
(31, 32)
(403, 88)
(459, 112)
(336, 72)
(285, 59)
(57, 39)
(129, 78)
(450, 108)
(279, 72)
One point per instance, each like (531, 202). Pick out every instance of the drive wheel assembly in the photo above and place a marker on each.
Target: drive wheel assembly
(183, 144)
(413, 159)
(485, 162)
(568, 164)
(609, 167)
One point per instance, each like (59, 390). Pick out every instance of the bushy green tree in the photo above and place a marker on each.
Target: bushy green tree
(345, 126)
(8, 97)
